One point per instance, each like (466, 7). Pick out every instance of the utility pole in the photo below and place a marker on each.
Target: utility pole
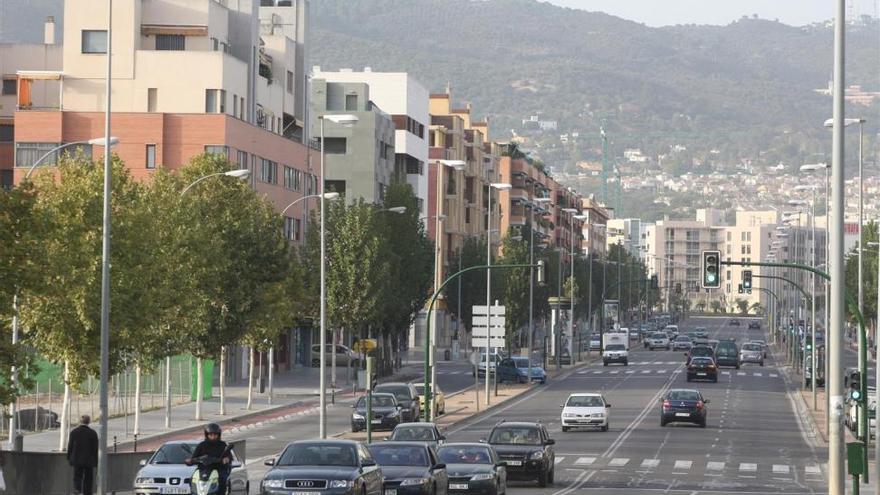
(604, 164)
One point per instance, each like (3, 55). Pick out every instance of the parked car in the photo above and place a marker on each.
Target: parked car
(344, 355)
(323, 466)
(438, 398)
(406, 396)
(37, 419)
(410, 468)
(702, 368)
(526, 450)
(473, 469)
(494, 359)
(519, 370)
(166, 472)
(684, 405)
(386, 413)
(585, 411)
(418, 432)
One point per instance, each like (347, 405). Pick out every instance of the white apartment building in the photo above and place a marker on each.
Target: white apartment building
(407, 101)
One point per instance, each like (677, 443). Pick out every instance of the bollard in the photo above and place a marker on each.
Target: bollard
(333, 397)
(135, 442)
(18, 444)
(114, 444)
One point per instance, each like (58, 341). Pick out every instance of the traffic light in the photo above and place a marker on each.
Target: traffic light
(711, 269)
(654, 283)
(740, 288)
(747, 279)
(855, 394)
(540, 272)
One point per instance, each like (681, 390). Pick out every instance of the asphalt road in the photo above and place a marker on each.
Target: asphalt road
(753, 443)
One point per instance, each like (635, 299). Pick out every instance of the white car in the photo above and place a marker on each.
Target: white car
(585, 411)
(494, 359)
(658, 340)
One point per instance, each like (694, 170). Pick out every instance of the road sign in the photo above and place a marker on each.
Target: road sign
(480, 342)
(496, 332)
(497, 310)
(481, 321)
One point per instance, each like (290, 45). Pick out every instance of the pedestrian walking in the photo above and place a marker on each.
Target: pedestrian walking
(82, 454)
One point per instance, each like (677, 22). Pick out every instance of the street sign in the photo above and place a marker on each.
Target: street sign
(496, 332)
(480, 342)
(481, 321)
(475, 357)
(497, 310)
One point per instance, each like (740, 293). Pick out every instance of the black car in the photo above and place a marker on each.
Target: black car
(473, 469)
(427, 433)
(684, 406)
(702, 368)
(754, 324)
(325, 467)
(526, 449)
(385, 409)
(727, 354)
(734, 323)
(407, 396)
(699, 351)
(410, 468)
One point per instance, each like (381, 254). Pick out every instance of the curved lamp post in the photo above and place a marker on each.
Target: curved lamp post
(94, 142)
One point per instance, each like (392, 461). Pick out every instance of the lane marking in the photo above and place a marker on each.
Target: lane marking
(683, 465)
(813, 470)
(558, 460)
(781, 469)
(715, 466)
(650, 463)
(748, 467)
(619, 462)
(584, 461)
(774, 375)
(757, 374)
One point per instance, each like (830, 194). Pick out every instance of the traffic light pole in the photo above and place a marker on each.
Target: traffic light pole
(795, 348)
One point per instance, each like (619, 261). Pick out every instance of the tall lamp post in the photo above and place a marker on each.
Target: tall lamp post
(534, 204)
(813, 351)
(877, 379)
(500, 186)
(344, 120)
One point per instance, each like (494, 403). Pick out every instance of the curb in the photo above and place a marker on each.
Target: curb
(802, 411)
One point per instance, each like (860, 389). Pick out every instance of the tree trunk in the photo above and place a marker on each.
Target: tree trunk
(223, 381)
(250, 391)
(137, 399)
(65, 410)
(199, 384)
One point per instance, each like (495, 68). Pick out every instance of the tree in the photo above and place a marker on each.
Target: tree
(742, 305)
(715, 305)
(701, 306)
(514, 284)
(470, 290)
(869, 274)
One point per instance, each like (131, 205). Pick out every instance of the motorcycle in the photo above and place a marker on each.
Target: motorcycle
(204, 481)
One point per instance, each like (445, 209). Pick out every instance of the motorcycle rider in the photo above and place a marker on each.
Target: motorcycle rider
(214, 448)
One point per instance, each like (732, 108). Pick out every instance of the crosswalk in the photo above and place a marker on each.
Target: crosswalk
(625, 371)
(690, 466)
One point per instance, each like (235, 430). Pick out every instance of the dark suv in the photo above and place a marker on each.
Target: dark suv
(407, 397)
(727, 354)
(526, 449)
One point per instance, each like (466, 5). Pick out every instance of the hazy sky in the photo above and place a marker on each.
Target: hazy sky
(668, 12)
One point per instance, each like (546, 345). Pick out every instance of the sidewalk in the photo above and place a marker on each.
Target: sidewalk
(295, 392)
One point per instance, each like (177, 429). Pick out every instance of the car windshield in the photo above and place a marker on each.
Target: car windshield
(515, 435)
(683, 395)
(399, 391)
(615, 347)
(702, 361)
(464, 455)
(585, 401)
(521, 363)
(751, 347)
(658, 336)
(416, 433)
(682, 338)
(701, 351)
(726, 350)
(379, 400)
(318, 454)
(399, 455)
(173, 453)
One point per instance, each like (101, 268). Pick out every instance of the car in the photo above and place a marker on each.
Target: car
(406, 396)
(327, 467)
(727, 354)
(344, 356)
(615, 353)
(585, 411)
(384, 408)
(754, 324)
(713, 344)
(702, 368)
(699, 351)
(702, 332)
(658, 340)
(684, 406)
(494, 358)
(808, 372)
(519, 370)
(166, 472)
(473, 469)
(734, 323)
(526, 450)
(410, 468)
(595, 343)
(417, 432)
(763, 345)
(751, 352)
(682, 342)
(438, 398)
(852, 410)
(36, 419)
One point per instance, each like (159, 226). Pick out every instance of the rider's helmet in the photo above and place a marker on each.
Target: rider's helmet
(213, 428)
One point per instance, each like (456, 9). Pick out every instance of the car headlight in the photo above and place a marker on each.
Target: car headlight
(598, 415)
(273, 483)
(341, 483)
(537, 455)
(414, 481)
(482, 476)
(569, 415)
(140, 481)
(357, 416)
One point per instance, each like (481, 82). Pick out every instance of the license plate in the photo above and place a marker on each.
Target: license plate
(390, 492)
(458, 486)
(701, 374)
(175, 490)
(513, 463)
(302, 493)
(376, 421)
(683, 415)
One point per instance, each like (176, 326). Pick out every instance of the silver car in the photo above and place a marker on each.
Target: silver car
(166, 473)
(751, 352)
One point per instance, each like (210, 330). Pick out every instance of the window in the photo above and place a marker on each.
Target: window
(290, 82)
(151, 156)
(335, 146)
(94, 41)
(351, 103)
(268, 171)
(217, 149)
(234, 105)
(292, 227)
(26, 154)
(152, 99)
(173, 42)
(292, 178)
(10, 86)
(215, 101)
(7, 133)
(728, 236)
(215, 44)
(383, 150)
(242, 159)
(335, 186)
(241, 109)
(728, 274)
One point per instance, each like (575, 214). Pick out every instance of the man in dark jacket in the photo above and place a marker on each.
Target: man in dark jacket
(82, 454)
(219, 458)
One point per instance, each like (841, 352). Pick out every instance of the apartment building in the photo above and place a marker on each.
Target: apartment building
(518, 205)
(359, 157)
(627, 233)
(594, 229)
(406, 100)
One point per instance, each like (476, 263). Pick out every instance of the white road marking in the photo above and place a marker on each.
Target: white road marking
(661, 371)
(748, 467)
(715, 466)
(615, 372)
(683, 465)
(650, 463)
(781, 469)
(559, 459)
(619, 462)
(584, 461)
(757, 374)
(645, 371)
(740, 373)
(672, 362)
(725, 372)
(813, 470)
(774, 375)
(598, 372)
(630, 372)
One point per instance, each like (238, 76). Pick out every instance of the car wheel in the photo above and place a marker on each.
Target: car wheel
(662, 422)
(762, 364)
(737, 366)
(703, 424)
(542, 479)
(604, 363)
(626, 363)
(552, 475)
(605, 427)
(564, 429)
(715, 380)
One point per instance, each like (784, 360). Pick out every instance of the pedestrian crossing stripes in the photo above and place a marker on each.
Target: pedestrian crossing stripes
(602, 372)
(679, 466)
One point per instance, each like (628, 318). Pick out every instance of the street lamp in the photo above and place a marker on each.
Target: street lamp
(500, 186)
(94, 142)
(343, 120)
(877, 373)
(533, 205)
(814, 353)
(241, 174)
(330, 196)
